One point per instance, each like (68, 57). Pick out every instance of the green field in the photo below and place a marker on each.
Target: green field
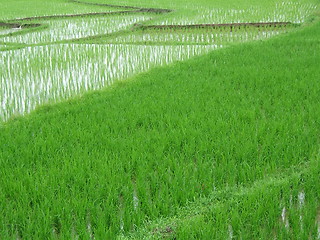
(149, 120)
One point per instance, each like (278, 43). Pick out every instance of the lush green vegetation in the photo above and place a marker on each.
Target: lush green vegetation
(124, 33)
(225, 145)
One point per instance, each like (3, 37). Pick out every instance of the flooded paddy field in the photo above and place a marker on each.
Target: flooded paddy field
(55, 72)
(65, 29)
(159, 120)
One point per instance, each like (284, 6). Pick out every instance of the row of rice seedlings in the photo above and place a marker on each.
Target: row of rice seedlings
(294, 12)
(36, 75)
(200, 37)
(286, 11)
(65, 29)
(216, 15)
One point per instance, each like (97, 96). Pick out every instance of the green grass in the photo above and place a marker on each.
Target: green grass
(170, 136)
(26, 8)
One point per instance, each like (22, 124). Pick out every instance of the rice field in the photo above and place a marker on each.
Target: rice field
(22, 9)
(93, 66)
(59, 30)
(285, 11)
(159, 119)
(118, 31)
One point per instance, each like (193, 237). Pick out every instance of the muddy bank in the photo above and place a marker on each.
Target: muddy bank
(18, 25)
(214, 26)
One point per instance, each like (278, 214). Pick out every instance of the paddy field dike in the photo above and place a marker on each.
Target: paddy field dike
(159, 119)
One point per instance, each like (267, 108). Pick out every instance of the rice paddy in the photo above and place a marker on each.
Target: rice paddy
(94, 66)
(295, 12)
(59, 30)
(159, 120)
(207, 36)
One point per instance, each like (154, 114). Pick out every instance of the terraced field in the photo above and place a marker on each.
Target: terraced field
(100, 140)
